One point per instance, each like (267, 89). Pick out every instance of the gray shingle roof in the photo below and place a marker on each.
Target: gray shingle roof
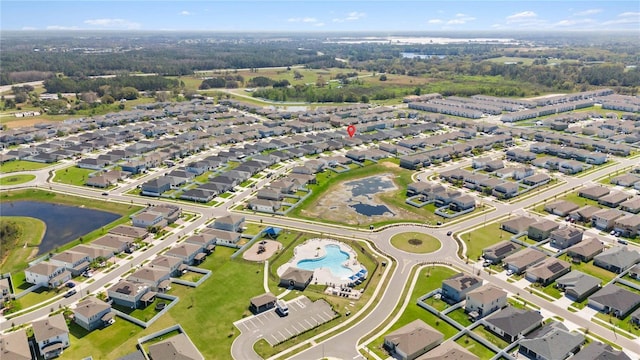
(554, 343)
(512, 321)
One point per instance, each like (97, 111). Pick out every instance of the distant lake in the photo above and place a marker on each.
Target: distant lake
(64, 223)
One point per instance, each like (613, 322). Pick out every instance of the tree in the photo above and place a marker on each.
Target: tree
(129, 93)
(383, 77)
(89, 97)
(107, 99)
(297, 75)
(9, 104)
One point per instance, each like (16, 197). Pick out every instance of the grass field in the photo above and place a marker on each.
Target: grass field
(415, 242)
(15, 256)
(16, 179)
(475, 347)
(22, 165)
(72, 175)
(483, 237)
(429, 279)
(589, 268)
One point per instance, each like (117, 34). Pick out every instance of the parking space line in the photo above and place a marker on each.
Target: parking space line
(257, 318)
(308, 323)
(294, 326)
(287, 330)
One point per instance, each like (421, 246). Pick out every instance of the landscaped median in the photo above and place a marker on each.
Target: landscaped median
(16, 179)
(415, 242)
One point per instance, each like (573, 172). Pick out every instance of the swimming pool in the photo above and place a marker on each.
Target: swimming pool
(333, 261)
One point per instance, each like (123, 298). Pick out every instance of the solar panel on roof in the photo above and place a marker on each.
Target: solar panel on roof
(503, 250)
(555, 267)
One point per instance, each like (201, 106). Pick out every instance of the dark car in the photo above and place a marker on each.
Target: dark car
(70, 293)
(449, 233)
(70, 284)
(105, 194)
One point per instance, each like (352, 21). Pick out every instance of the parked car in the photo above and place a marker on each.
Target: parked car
(70, 284)
(509, 272)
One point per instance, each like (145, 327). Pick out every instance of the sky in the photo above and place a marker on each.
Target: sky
(319, 16)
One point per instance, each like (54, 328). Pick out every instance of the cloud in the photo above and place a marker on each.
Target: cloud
(113, 23)
(573, 22)
(588, 12)
(319, 24)
(352, 16)
(629, 14)
(521, 16)
(185, 13)
(61, 27)
(308, 20)
(435, 21)
(460, 19)
(29, 28)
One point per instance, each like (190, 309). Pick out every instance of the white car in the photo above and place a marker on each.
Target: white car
(509, 272)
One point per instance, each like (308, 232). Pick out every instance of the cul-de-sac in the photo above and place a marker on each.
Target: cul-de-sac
(320, 180)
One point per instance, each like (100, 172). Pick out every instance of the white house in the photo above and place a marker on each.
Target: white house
(51, 336)
(47, 274)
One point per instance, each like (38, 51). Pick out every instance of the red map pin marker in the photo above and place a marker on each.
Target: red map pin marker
(351, 130)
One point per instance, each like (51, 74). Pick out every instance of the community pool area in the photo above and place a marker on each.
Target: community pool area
(332, 262)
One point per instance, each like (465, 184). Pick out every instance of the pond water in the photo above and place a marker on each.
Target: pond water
(370, 185)
(370, 210)
(64, 223)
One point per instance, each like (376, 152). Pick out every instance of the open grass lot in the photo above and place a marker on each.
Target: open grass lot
(429, 279)
(483, 237)
(15, 256)
(16, 179)
(475, 347)
(22, 165)
(72, 175)
(493, 338)
(589, 268)
(415, 242)
(328, 181)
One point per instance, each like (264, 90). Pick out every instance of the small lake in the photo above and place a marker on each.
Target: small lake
(371, 210)
(370, 185)
(64, 223)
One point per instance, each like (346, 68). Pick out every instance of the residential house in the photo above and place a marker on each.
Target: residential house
(584, 214)
(156, 186)
(505, 190)
(15, 346)
(262, 205)
(522, 260)
(577, 285)
(130, 231)
(541, 229)
(296, 278)
(173, 264)
(635, 317)
(47, 274)
(561, 207)
(585, 250)
(517, 225)
(523, 172)
(547, 271)
(5, 292)
(155, 278)
(614, 300)
(552, 342)
(617, 259)
(176, 347)
(187, 252)
(262, 303)
(632, 205)
(199, 195)
(51, 336)
(627, 226)
(412, 340)
(75, 262)
(484, 301)
(224, 238)
(130, 294)
(512, 324)
(94, 252)
(599, 351)
(148, 219)
(461, 203)
(449, 350)
(614, 199)
(594, 192)
(605, 218)
(455, 288)
(626, 180)
(230, 222)
(565, 237)
(206, 241)
(92, 314)
(499, 251)
(536, 179)
(113, 243)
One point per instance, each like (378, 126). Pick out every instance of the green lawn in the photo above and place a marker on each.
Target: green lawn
(16, 179)
(415, 242)
(481, 238)
(589, 268)
(72, 175)
(429, 279)
(493, 338)
(144, 314)
(16, 254)
(460, 317)
(22, 165)
(624, 324)
(475, 347)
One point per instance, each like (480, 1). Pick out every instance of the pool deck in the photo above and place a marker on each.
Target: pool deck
(322, 276)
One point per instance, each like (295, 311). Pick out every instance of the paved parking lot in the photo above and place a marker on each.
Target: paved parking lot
(303, 315)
